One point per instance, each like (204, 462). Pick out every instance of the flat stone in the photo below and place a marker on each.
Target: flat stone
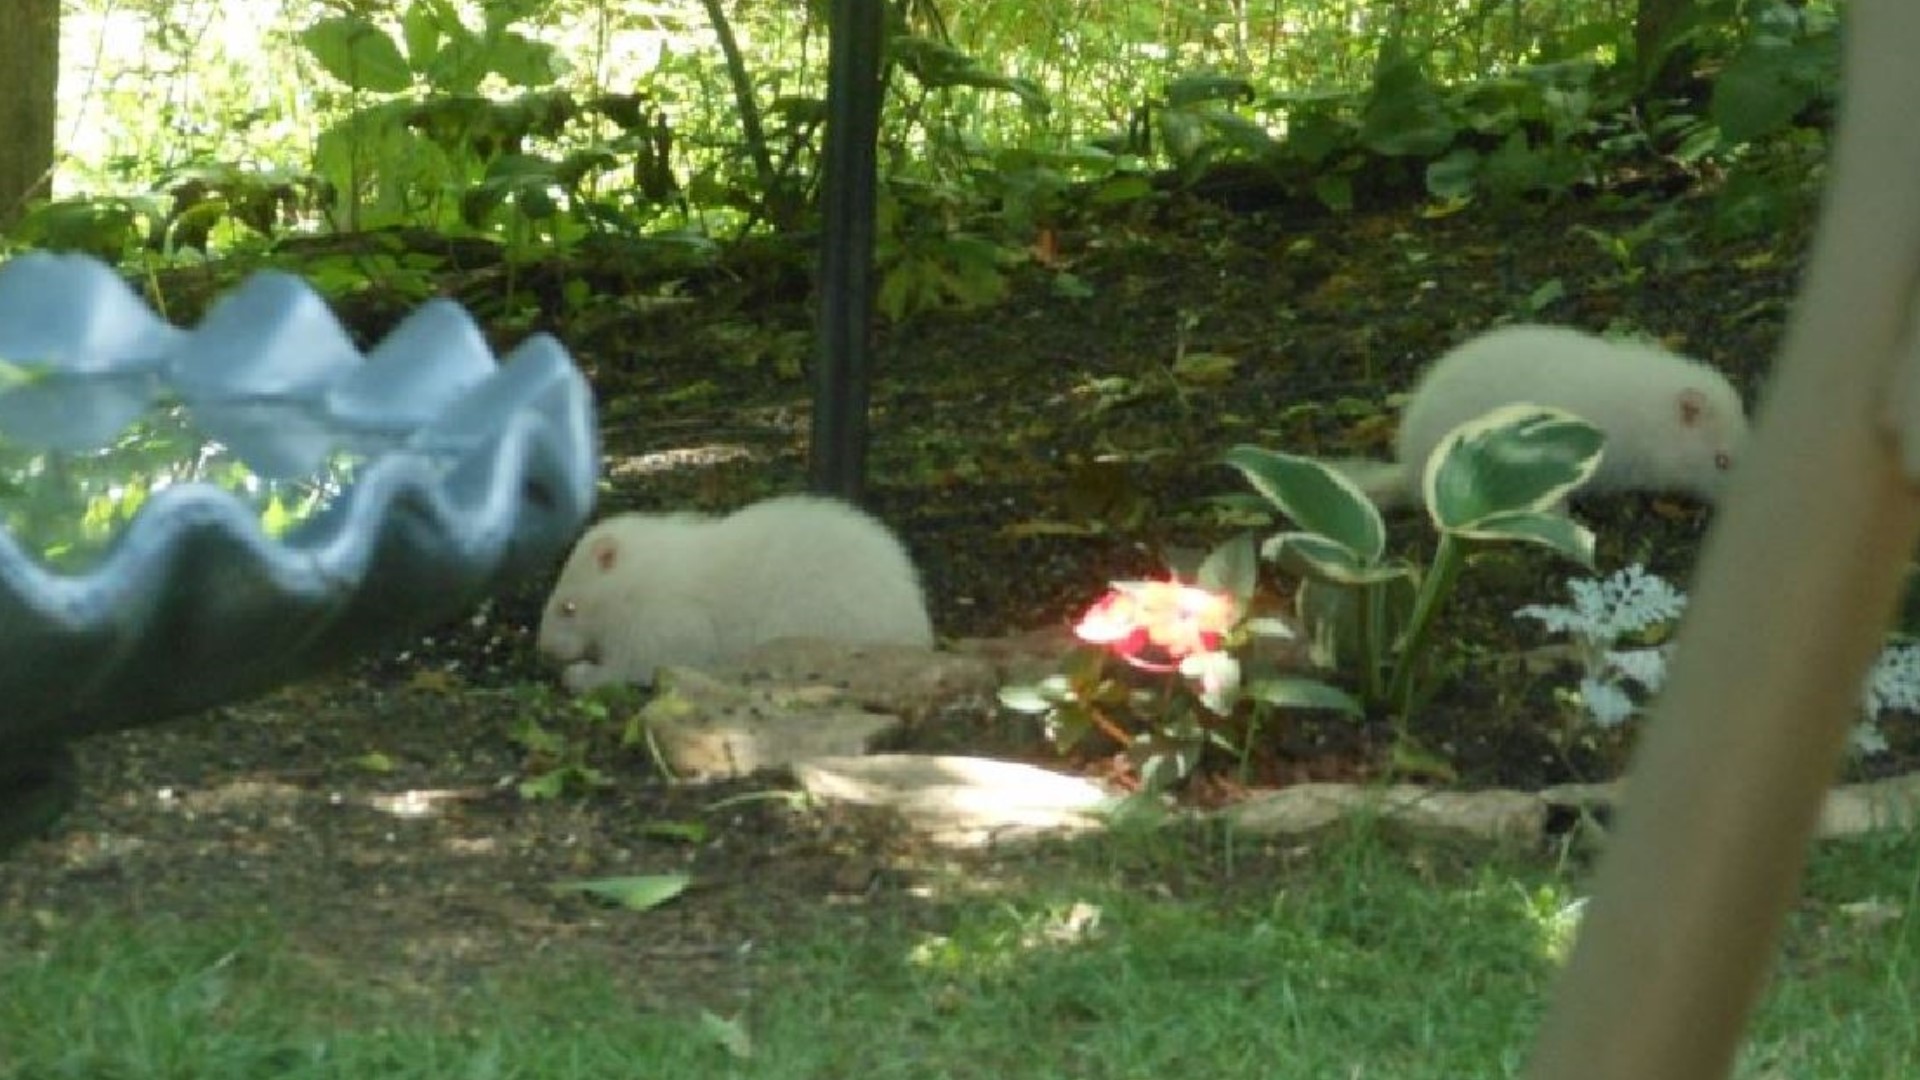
(1851, 810)
(710, 729)
(1878, 805)
(961, 800)
(1500, 816)
(904, 680)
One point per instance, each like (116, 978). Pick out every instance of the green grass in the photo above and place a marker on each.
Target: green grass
(1356, 957)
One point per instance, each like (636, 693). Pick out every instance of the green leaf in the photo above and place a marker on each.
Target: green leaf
(1766, 84)
(938, 65)
(1550, 529)
(549, 785)
(1550, 291)
(501, 14)
(1405, 116)
(1330, 614)
(1410, 759)
(460, 65)
(1116, 190)
(1267, 626)
(639, 893)
(1182, 134)
(1028, 698)
(1237, 131)
(728, 1034)
(1307, 555)
(420, 29)
(1314, 135)
(1301, 693)
(1194, 89)
(1514, 458)
(1168, 755)
(689, 832)
(1232, 568)
(1067, 725)
(1335, 191)
(1316, 497)
(1069, 286)
(1515, 167)
(357, 53)
(1205, 368)
(1452, 176)
(522, 61)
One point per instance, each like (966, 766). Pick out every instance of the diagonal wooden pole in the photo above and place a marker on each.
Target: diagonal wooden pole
(1800, 579)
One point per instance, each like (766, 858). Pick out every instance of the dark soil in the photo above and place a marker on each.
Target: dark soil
(1028, 454)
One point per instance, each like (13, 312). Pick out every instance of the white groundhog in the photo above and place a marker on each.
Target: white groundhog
(1672, 424)
(644, 590)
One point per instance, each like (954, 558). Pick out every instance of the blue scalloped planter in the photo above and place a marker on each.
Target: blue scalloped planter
(466, 473)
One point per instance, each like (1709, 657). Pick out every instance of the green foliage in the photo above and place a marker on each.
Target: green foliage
(543, 125)
(954, 270)
(390, 159)
(192, 206)
(1784, 67)
(434, 49)
(107, 227)
(939, 66)
(1501, 477)
(561, 737)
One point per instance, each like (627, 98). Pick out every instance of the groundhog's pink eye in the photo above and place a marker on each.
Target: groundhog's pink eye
(1723, 461)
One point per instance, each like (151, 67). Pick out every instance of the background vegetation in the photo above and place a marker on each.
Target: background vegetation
(194, 126)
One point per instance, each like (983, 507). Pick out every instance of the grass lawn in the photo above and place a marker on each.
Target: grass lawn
(1205, 954)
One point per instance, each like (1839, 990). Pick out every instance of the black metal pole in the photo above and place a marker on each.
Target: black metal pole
(842, 366)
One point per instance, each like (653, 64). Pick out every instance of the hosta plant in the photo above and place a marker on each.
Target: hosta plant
(1504, 476)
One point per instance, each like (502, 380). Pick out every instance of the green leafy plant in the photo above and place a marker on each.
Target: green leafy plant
(926, 264)
(559, 739)
(1168, 669)
(398, 156)
(1501, 477)
(1200, 124)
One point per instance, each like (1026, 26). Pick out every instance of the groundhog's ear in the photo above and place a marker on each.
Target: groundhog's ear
(1693, 406)
(605, 552)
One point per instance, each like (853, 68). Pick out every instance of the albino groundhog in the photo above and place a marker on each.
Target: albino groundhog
(644, 590)
(1672, 424)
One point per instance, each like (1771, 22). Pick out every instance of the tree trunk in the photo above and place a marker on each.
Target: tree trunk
(30, 69)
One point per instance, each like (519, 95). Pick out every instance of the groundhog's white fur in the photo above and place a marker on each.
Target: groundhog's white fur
(644, 590)
(1672, 424)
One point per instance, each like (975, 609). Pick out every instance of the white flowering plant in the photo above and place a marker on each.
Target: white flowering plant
(1631, 607)
(1619, 625)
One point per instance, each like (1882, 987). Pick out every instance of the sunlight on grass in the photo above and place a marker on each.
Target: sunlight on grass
(1356, 956)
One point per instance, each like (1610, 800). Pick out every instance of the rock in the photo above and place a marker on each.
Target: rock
(908, 682)
(1851, 810)
(708, 728)
(1858, 809)
(1021, 658)
(963, 801)
(1500, 816)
